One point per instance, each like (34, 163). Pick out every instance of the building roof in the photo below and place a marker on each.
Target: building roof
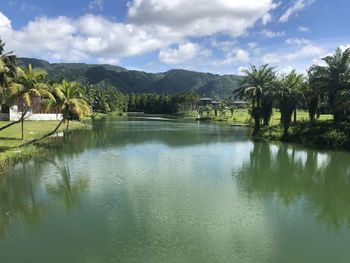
(205, 99)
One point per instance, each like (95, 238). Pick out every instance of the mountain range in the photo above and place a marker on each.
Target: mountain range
(133, 81)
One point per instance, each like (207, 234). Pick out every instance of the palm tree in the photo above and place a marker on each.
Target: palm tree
(256, 84)
(8, 70)
(334, 77)
(289, 95)
(29, 86)
(343, 103)
(68, 99)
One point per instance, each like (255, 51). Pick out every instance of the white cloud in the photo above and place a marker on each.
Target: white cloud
(308, 53)
(271, 34)
(95, 4)
(240, 70)
(266, 18)
(110, 61)
(252, 45)
(183, 53)
(286, 69)
(5, 24)
(151, 25)
(344, 47)
(297, 41)
(234, 57)
(198, 17)
(303, 29)
(297, 6)
(225, 46)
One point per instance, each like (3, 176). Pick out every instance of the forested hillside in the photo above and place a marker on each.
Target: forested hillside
(132, 81)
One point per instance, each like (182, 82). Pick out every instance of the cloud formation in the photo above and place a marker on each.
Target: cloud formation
(297, 6)
(151, 25)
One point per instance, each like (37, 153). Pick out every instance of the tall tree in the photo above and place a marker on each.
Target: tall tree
(289, 94)
(68, 99)
(255, 86)
(334, 77)
(30, 85)
(8, 71)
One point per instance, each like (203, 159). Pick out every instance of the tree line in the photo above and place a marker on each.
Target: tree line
(23, 86)
(324, 88)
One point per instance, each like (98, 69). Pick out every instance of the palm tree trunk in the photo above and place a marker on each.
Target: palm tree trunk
(67, 127)
(43, 137)
(22, 122)
(22, 127)
(13, 123)
(295, 115)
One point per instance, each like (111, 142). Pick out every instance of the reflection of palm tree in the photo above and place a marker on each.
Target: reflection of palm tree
(70, 191)
(18, 200)
(325, 188)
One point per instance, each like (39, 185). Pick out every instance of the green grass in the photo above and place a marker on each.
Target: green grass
(242, 116)
(11, 137)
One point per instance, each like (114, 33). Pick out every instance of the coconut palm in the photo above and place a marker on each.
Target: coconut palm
(68, 99)
(8, 70)
(30, 85)
(255, 85)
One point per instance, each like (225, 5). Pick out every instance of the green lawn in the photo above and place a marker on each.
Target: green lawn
(11, 137)
(242, 116)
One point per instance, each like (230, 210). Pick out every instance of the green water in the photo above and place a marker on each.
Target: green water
(138, 190)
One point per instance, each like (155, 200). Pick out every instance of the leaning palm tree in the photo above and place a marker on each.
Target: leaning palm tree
(68, 99)
(255, 86)
(334, 77)
(30, 85)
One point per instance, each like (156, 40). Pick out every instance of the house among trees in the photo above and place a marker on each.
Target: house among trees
(239, 104)
(208, 101)
(35, 113)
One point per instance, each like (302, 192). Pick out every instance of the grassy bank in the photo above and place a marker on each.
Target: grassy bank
(320, 134)
(11, 137)
(242, 116)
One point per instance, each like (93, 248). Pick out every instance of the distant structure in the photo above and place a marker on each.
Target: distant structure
(239, 104)
(205, 101)
(35, 113)
(208, 101)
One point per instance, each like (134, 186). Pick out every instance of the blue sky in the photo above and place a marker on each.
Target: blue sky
(219, 36)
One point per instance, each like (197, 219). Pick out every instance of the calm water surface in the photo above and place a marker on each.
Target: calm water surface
(138, 190)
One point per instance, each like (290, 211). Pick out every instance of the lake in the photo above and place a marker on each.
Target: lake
(165, 190)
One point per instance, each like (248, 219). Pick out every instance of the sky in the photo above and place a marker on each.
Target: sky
(218, 36)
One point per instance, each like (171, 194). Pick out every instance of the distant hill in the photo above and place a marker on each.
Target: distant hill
(171, 82)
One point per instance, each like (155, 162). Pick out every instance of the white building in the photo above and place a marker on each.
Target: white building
(15, 114)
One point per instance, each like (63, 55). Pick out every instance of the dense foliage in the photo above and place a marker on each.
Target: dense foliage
(132, 81)
(325, 86)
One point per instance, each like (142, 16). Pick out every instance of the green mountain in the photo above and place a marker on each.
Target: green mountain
(171, 82)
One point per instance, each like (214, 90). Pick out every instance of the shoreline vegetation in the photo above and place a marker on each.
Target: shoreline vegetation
(10, 140)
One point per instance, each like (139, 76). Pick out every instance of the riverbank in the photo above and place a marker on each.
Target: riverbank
(11, 138)
(319, 134)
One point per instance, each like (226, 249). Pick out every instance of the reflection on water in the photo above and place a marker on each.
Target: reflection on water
(173, 191)
(321, 179)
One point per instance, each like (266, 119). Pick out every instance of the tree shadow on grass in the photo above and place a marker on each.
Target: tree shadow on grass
(10, 139)
(4, 148)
